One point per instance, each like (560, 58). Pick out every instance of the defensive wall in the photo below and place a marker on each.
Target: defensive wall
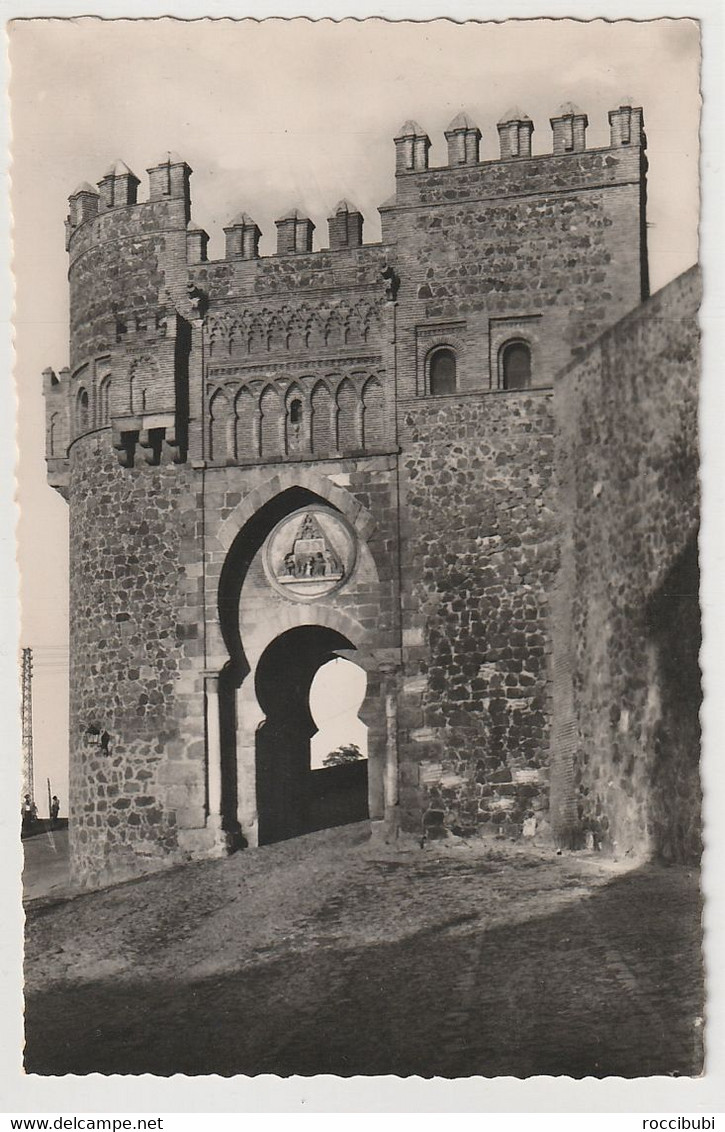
(627, 622)
(396, 398)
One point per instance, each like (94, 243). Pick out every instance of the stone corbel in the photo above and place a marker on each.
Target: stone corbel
(124, 443)
(173, 445)
(149, 441)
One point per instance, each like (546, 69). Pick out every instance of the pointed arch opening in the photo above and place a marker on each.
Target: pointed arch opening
(373, 414)
(247, 443)
(322, 430)
(104, 400)
(295, 420)
(347, 407)
(220, 425)
(270, 440)
(82, 410)
(245, 706)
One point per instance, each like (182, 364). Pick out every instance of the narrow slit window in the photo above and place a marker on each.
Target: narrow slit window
(105, 401)
(83, 414)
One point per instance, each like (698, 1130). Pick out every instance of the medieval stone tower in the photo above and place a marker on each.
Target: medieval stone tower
(272, 461)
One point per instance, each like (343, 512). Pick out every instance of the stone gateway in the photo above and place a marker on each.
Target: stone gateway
(464, 459)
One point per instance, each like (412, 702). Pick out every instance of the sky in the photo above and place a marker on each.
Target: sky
(270, 116)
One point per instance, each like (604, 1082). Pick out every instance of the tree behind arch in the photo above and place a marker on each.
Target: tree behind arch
(341, 756)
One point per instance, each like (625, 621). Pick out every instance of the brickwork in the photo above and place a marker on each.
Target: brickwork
(208, 401)
(627, 467)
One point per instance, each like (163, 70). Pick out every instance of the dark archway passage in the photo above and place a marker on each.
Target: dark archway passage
(236, 566)
(292, 799)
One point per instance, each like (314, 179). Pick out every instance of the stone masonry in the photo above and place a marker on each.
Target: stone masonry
(629, 619)
(408, 395)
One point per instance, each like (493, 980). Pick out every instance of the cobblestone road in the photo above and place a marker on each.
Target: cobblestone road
(326, 955)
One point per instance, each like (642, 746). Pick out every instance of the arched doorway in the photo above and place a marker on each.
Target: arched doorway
(292, 797)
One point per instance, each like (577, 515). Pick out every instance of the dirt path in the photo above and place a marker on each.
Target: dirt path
(325, 955)
(46, 869)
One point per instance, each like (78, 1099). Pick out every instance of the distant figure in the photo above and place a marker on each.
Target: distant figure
(29, 813)
(54, 811)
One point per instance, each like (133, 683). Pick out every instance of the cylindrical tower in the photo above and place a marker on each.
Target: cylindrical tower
(117, 449)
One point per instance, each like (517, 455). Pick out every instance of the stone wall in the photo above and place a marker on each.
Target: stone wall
(549, 249)
(303, 379)
(136, 625)
(120, 265)
(479, 552)
(282, 275)
(627, 632)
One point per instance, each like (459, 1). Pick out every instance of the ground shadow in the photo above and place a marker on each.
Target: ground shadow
(673, 624)
(609, 985)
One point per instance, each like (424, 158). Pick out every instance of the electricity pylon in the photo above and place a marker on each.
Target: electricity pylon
(27, 710)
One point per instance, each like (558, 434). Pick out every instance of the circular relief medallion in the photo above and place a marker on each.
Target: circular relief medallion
(309, 554)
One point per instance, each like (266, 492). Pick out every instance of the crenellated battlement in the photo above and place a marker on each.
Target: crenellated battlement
(118, 189)
(350, 447)
(169, 181)
(475, 254)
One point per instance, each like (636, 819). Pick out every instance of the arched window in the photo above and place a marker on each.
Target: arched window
(270, 436)
(294, 423)
(221, 428)
(138, 393)
(323, 429)
(53, 434)
(82, 409)
(442, 372)
(515, 366)
(347, 417)
(104, 397)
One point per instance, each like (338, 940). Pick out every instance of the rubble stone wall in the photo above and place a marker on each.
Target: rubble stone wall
(527, 554)
(120, 265)
(627, 460)
(136, 622)
(478, 553)
(548, 249)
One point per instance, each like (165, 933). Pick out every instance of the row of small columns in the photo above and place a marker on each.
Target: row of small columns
(514, 130)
